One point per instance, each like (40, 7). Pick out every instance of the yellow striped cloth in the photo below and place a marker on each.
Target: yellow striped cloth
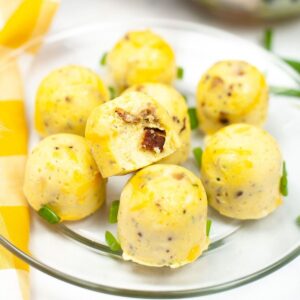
(20, 21)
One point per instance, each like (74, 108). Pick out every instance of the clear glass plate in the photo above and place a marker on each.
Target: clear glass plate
(241, 251)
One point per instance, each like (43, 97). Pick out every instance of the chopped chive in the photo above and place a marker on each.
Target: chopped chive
(113, 212)
(208, 226)
(185, 97)
(293, 63)
(49, 215)
(284, 181)
(112, 92)
(112, 241)
(198, 155)
(284, 91)
(268, 39)
(298, 220)
(103, 59)
(180, 72)
(193, 118)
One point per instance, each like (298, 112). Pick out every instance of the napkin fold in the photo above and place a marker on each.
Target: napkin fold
(21, 21)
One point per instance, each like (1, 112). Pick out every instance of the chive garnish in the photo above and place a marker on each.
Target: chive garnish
(112, 241)
(284, 181)
(112, 92)
(198, 155)
(49, 215)
(293, 63)
(298, 220)
(208, 226)
(285, 91)
(103, 59)
(185, 97)
(193, 118)
(268, 39)
(113, 212)
(180, 72)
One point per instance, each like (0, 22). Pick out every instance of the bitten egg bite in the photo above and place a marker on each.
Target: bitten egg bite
(65, 98)
(62, 174)
(141, 56)
(176, 106)
(241, 171)
(231, 92)
(130, 132)
(162, 217)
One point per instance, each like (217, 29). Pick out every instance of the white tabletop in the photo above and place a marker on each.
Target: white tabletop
(284, 283)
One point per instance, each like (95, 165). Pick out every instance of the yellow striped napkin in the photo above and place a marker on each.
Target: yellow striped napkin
(20, 21)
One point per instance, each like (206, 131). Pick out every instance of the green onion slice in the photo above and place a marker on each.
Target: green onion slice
(49, 215)
(112, 241)
(284, 181)
(180, 73)
(193, 117)
(208, 226)
(103, 59)
(284, 91)
(198, 155)
(268, 39)
(112, 92)
(113, 212)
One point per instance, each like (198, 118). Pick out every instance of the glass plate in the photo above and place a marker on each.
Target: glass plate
(241, 251)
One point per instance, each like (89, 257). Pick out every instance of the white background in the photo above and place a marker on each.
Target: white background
(283, 284)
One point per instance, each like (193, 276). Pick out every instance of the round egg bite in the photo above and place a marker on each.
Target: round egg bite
(141, 56)
(231, 92)
(175, 105)
(65, 98)
(129, 133)
(241, 171)
(62, 174)
(162, 217)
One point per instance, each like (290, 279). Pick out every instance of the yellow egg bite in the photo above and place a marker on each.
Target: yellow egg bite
(241, 171)
(162, 217)
(129, 133)
(141, 56)
(176, 106)
(231, 92)
(62, 174)
(65, 98)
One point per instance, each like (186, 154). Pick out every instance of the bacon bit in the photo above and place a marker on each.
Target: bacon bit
(223, 118)
(178, 176)
(126, 116)
(216, 81)
(183, 126)
(175, 119)
(154, 139)
(148, 114)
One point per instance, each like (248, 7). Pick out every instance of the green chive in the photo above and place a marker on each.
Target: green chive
(198, 155)
(185, 98)
(49, 215)
(208, 226)
(298, 220)
(284, 91)
(103, 59)
(180, 72)
(284, 181)
(112, 241)
(268, 39)
(193, 118)
(112, 92)
(113, 212)
(293, 63)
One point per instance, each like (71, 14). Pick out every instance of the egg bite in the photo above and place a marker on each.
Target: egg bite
(176, 106)
(65, 98)
(62, 174)
(162, 217)
(129, 133)
(241, 171)
(231, 92)
(141, 56)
